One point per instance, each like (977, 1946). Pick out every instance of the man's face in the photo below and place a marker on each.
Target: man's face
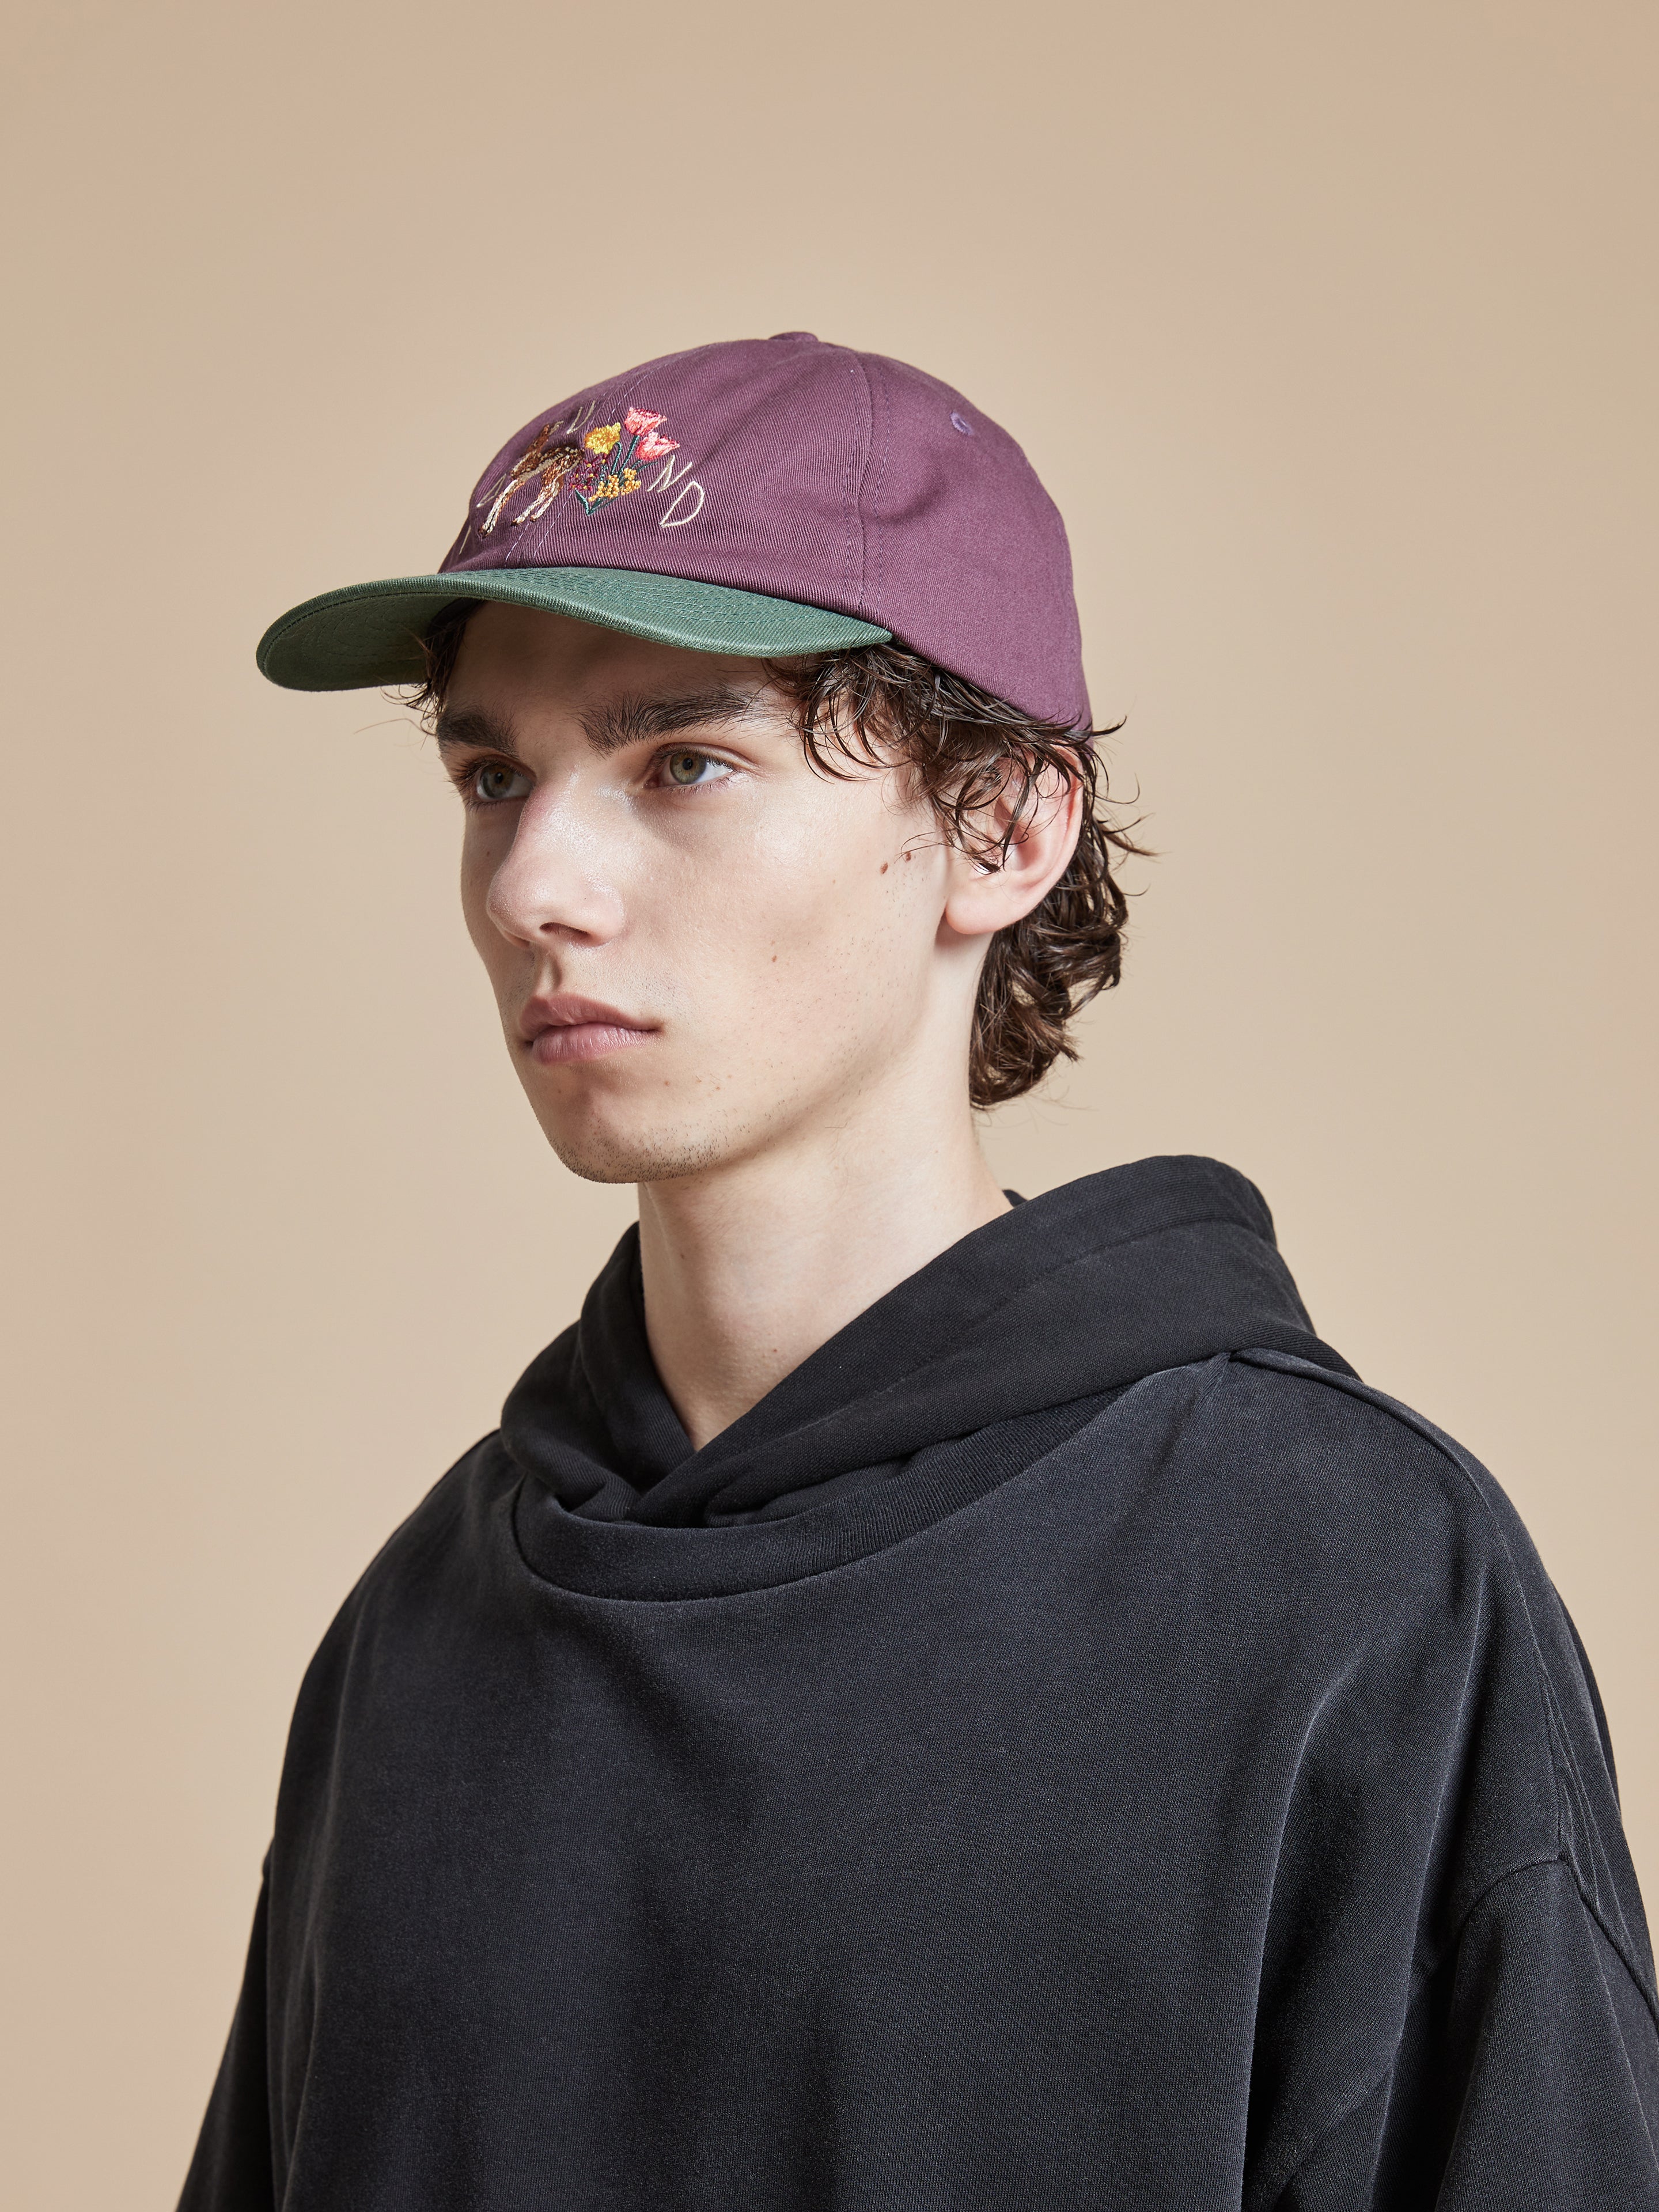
(700, 946)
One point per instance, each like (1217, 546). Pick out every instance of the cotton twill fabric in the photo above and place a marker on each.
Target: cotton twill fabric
(1071, 1745)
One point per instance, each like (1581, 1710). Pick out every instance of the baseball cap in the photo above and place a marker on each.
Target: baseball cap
(763, 496)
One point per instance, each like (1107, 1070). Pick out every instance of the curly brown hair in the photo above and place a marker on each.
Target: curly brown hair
(964, 749)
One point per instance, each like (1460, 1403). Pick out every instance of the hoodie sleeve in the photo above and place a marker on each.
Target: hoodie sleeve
(232, 2170)
(1528, 2077)
(1458, 2007)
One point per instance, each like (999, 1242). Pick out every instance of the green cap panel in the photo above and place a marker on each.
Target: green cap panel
(368, 634)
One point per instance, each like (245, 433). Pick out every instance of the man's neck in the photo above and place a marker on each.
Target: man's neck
(748, 1271)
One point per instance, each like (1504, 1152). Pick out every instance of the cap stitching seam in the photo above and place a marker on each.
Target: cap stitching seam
(848, 495)
(875, 501)
(856, 369)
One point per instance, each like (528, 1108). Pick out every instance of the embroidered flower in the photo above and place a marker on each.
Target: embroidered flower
(604, 440)
(651, 447)
(636, 419)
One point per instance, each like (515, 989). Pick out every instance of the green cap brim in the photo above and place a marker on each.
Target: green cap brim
(369, 634)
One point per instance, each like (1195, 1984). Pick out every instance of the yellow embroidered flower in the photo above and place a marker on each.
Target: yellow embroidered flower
(604, 440)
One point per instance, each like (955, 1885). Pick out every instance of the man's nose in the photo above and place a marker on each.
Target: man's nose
(553, 882)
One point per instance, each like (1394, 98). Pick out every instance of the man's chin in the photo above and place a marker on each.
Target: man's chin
(601, 1151)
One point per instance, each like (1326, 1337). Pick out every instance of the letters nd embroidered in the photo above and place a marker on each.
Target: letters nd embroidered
(601, 468)
(665, 480)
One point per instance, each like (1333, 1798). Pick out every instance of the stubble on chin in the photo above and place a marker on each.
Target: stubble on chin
(601, 1154)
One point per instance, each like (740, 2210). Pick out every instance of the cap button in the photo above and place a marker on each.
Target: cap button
(778, 336)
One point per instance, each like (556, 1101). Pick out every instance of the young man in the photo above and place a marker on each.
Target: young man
(927, 1700)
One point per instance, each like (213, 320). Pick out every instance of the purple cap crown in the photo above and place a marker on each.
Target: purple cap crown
(763, 496)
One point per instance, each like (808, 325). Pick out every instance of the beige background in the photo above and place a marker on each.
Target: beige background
(1332, 327)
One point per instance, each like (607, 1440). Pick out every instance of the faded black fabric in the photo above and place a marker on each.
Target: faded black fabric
(1072, 1745)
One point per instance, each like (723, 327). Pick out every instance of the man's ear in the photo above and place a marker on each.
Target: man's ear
(985, 897)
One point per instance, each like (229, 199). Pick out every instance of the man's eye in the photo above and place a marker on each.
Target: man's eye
(688, 766)
(494, 782)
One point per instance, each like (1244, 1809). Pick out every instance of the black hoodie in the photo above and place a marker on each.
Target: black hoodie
(1070, 1745)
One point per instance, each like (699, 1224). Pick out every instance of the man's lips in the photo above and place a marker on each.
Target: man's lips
(567, 1028)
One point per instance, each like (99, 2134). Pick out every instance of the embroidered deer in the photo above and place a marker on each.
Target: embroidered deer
(600, 468)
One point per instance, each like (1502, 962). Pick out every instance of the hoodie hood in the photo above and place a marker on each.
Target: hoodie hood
(1069, 1297)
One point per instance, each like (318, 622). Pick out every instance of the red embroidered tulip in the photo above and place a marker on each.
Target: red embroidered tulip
(651, 447)
(636, 419)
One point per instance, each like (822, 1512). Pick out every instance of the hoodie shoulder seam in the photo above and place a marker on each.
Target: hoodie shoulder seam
(1461, 1462)
(1565, 1853)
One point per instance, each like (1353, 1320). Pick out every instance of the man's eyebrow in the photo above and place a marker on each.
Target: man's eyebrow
(618, 722)
(626, 722)
(471, 727)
